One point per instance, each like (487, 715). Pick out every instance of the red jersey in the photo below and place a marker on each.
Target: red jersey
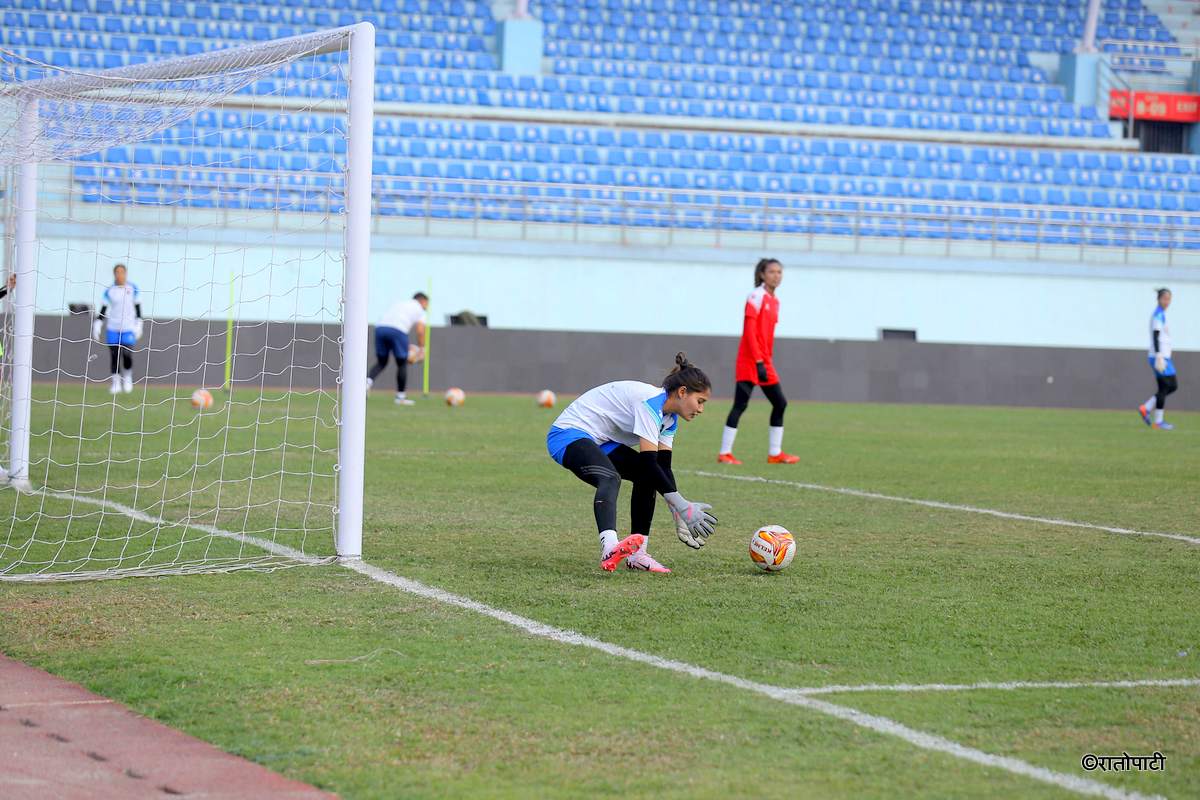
(758, 337)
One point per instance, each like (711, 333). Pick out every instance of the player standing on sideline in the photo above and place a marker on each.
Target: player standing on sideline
(1162, 364)
(755, 365)
(595, 437)
(391, 338)
(122, 309)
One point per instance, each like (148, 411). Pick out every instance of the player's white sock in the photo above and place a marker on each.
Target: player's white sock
(608, 541)
(1158, 414)
(727, 437)
(1151, 403)
(775, 441)
(370, 382)
(116, 384)
(401, 396)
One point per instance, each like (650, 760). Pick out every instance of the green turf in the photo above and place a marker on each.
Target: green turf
(450, 704)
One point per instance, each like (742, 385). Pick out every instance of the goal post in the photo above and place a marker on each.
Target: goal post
(49, 120)
(24, 267)
(353, 440)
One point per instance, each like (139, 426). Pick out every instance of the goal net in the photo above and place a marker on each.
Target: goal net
(200, 407)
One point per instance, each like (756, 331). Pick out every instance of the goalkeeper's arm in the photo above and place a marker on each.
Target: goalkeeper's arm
(98, 323)
(694, 517)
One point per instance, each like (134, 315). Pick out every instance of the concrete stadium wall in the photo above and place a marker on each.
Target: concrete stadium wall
(814, 370)
(593, 287)
(192, 354)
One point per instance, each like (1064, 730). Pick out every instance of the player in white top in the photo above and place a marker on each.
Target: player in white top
(1163, 364)
(391, 338)
(626, 430)
(121, 308)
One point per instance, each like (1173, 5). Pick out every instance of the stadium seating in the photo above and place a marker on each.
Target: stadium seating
(915, 64)
(586, 175)
(921, 65)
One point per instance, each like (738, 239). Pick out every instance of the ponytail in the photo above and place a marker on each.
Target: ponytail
(760, 269)
(687, 375)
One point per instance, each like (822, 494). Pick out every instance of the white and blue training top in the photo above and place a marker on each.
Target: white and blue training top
(402, 316)
(617, 413)
(121, 302)
(1158, 322)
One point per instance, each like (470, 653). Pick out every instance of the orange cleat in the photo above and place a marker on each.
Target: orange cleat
(624, 549)
(727, 458)
(783, 458)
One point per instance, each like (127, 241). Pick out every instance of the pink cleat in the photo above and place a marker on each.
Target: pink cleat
(625, 548)
(641, 560)
(1145, 415)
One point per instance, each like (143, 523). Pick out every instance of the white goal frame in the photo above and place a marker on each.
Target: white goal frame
(359, 41)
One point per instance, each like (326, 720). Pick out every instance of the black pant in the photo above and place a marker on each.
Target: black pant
(590, 464)
(119, 353)
(1166, 385)
(401, 370)
(741, 399)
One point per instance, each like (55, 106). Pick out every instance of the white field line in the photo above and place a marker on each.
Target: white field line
(1065, 523)
(55, 703)
(1006, 686)
(926, 741)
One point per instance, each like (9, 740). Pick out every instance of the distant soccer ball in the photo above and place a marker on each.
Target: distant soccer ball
(772, 548)
(455, 396)
(546, 398)
(202, 399)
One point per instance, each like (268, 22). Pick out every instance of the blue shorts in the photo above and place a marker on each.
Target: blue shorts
(393, 341)
(559, 439)
(1168, 372)
(120, 337)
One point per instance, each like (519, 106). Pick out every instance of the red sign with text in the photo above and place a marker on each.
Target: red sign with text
(1163, 106)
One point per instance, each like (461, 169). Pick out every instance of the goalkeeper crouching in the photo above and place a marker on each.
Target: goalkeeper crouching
(595, 438)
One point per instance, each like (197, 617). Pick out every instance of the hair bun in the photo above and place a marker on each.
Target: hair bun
(681, 360)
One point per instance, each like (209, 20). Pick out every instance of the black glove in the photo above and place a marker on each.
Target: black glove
(762, 372)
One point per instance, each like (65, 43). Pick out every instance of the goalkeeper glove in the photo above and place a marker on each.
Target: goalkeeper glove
(694, 516)
(96, 329)
(1160, 363)
(685, 535)
(137, 329)
(762, 372)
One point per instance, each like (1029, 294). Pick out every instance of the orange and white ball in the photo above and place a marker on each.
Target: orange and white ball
(455, 397)
(772, 548)
(546, 398)
(202, 399)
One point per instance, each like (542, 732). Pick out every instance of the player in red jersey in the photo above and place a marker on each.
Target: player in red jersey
(755, 364)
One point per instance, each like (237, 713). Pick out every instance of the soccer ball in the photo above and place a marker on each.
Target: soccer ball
(202, 399)
(455, 396)
(546, 398)
(772, 548)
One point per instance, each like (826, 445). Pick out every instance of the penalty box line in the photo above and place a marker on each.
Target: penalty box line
(1003, 686)
(991, 512)
(874, 722)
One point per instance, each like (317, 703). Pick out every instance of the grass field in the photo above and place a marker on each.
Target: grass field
(369, 691)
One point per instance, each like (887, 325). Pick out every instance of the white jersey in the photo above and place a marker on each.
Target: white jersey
(1158, 322)
(121, 302)
(402, 316)
(622, 412)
